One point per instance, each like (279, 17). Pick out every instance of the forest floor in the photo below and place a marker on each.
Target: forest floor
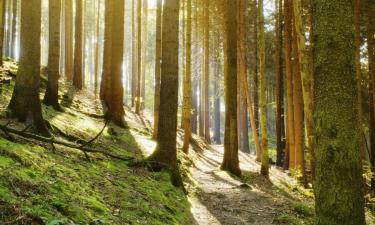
(41, 185)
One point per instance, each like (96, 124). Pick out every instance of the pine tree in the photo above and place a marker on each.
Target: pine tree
(68, 70)
(159, 11)
(2, 29)
(78, 48)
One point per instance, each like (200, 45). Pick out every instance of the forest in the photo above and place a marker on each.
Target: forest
(187, 112)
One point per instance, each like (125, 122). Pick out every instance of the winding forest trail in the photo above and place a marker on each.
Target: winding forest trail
(220, 199)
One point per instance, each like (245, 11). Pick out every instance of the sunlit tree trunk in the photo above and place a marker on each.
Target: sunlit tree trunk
(144, 52)
(289, 152)
(206, 100)
(165, 155)
(255, 71)
(159, 12)
(25, 102)
(51, 97)
(230, 160)
(112, 88)
(78, 47)
(2, 29)
(68, 39)
(134, 56)
(96, 78)
(307, 80)
(187, 82)
(138, 99)
(339, 184)
(14, 29)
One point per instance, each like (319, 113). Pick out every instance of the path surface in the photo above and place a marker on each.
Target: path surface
(223, 200)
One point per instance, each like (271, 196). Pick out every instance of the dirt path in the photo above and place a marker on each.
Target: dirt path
(223, 200)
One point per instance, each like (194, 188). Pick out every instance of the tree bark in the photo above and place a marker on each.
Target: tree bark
(157, 66)
(14, 29)
(138, 101)
(78, 48)
(2, 29)
(51, 97)
(339, 184)
(25, 102)
(68, 40)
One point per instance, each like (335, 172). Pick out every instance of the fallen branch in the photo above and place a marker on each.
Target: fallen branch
(52, 140)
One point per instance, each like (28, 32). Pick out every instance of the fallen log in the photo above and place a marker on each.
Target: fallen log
(52, 140)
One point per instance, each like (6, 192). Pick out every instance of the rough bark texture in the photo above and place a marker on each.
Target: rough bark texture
(230, 161)
(112, 65)
(338, 185)
(187, 82)
(78, 47)
(255, 70)
(68, 40)
(25, 103)
(51, 97)
(165, 155)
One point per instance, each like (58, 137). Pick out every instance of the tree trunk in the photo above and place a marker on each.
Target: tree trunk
(113, 60)
(289, 153)
(280, 144)
(207, 133)
(51, 97)
(187, 83)
(2, 29)
(165, 155)
(138, 102)
(157, 66)
(307, 80)
(339, 184)
(194, 95)
(255, 70)
(68, 40)
(25, 102)
(134, 56)
(370, 11)
(78, 48)
(96, 78)
(144, 52)
(14, 29)
(230, 160)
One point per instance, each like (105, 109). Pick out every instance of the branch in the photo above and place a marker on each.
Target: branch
(52, 140)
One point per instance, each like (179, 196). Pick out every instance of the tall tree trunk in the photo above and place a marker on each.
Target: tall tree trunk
(165, 155)
(96, 78)
(217, 102)
(25, 102)
(255, 69)
(194, 95)
(159, 12)
(187, 82)
(280, 143)
(263, 91)
(289, 152)
(370, 11)
(207, 133)
(339, 184)
(138, 102)
(14, 29)
(134, 56)
(68, 40)
(307, 80)
(113, 60)
(144, 52)
(2, 29)
(51, 97)
(230, 160)
(358, 71)
(78, 48)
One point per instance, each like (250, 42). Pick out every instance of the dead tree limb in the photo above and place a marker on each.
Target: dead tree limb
(53, 140)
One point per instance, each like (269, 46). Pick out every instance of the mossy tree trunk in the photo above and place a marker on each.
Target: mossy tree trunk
(51, 97)
(25, 103)
(165, 155)
(230, 160)
(339, 184)
(78, 47)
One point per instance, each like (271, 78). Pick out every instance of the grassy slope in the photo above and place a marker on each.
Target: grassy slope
(38, 186)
